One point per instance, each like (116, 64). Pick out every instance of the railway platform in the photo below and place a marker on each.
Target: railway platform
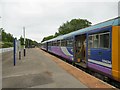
(43, 70)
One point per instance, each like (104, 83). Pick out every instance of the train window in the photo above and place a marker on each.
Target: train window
(104, 40)
(69, 43)
(58, 43)
(53, 43)
(95, 41)
(63, 42)
(90, 42)
(49, 44)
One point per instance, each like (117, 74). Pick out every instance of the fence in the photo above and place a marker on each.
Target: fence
(6, 49)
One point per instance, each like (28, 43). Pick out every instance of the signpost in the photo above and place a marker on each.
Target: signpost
(14, 52)
(17, 48)
(24, 41)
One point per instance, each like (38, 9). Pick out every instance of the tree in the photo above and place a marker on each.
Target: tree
(28, 42)
(73, 25)
(21, 40)
(47, 38)
(7, 39)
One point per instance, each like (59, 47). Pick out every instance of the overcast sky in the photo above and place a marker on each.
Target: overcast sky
(43, 17)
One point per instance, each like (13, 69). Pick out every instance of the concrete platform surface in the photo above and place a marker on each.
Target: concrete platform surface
(35, 71)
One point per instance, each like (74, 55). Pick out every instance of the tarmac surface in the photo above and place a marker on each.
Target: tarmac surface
(36, 70)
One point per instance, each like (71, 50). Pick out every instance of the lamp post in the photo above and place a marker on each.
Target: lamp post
(24, 41)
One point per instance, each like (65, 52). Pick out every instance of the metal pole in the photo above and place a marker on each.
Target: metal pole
(24, 41)
(19, 48)
(19, 55)
(28, 43)
(14, 55)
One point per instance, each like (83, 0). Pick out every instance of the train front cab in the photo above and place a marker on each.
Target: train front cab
(116, 52)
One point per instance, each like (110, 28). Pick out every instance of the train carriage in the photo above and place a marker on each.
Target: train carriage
(96, 47)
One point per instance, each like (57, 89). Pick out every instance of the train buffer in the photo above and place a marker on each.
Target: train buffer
(43, 70)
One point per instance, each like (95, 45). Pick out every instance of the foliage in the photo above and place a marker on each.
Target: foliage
(7, 44)
(73, 25)
(6, 38)
(69, 26)
(47, 38)
(28, 42)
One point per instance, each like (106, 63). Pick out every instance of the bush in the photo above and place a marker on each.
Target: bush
(7, 45)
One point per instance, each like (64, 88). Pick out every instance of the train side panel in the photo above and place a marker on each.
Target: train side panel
(99, 55)
(116, 52)
(44, 47)
(65, 52)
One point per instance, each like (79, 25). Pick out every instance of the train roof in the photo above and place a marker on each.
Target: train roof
(111, 22)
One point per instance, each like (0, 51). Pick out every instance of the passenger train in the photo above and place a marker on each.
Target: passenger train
(95, 48)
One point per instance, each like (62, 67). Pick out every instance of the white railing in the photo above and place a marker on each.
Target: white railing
(5, 49)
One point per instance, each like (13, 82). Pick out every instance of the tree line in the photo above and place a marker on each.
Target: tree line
(28, 42)
(69, 26)
(7, 40)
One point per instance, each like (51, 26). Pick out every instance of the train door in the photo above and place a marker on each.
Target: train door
(80, 50)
